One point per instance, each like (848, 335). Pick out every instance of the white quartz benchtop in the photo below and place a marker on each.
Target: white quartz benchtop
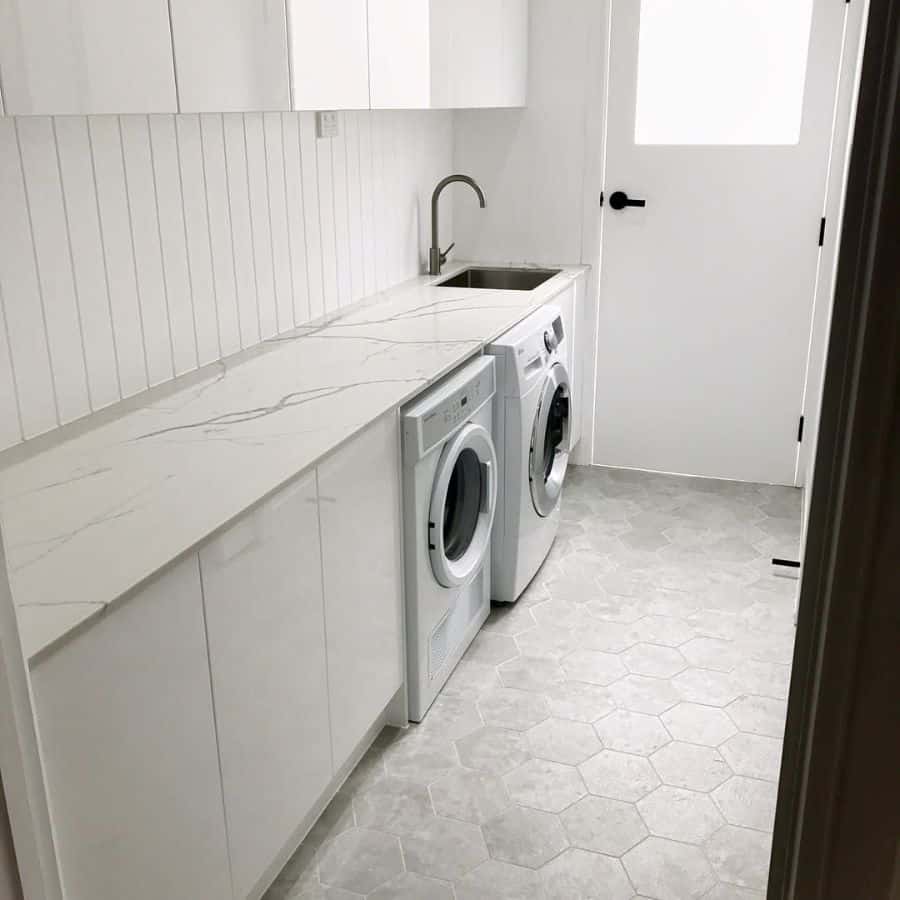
(88, 518)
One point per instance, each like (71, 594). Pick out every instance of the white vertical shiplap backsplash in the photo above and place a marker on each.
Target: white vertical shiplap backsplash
(137, 248)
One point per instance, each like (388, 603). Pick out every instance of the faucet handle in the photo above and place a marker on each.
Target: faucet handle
(446, 253)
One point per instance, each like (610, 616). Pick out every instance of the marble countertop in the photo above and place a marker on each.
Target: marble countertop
(92, 514)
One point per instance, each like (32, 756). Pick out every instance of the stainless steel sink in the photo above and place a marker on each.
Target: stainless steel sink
(498, 279)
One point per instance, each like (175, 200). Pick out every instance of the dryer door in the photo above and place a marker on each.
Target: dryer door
(463, 501)
(549, 456)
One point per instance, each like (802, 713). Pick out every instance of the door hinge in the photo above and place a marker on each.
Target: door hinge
(601, 198)
(800, 430)
(822, 231)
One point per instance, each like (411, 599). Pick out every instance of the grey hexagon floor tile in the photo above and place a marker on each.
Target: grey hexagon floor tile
(580, 701)
(470, 796)
(510, 619)
(530, 673)
(639, 693)
(313, 892)
(753, 755)
(451, 717)
(610, 607)
(493, 750)
(665, 630)
(525, 837)
(698, 724)
(691, 766)
(619, 776)
(495, 880)
(724, 891)
(471, 680)
(566, 613)
(513, 708)
(545, 785)
(667, 870)
(445, 849)
(740, 856)
(711, 653)
(411, 886)
(748, 802)
(758, 715)
(593, 666)
(361, 861)
(549, 640)
(632, 732)
(491, 649)
(605, 826)
(707, 687)
(420, 757)
(680, 814)
(563, 741)
(654, 660)
(394, 805)
(609, 637)
(579, 875)
(763, 678)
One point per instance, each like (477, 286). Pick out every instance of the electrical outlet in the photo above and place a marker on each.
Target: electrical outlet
(327, 124)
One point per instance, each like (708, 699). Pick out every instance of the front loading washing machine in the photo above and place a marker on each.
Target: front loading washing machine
(531, 431)
(449, 499)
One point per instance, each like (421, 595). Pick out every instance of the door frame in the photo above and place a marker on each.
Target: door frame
(838, 813)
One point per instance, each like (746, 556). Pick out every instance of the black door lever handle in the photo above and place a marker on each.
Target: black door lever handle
(619, 200)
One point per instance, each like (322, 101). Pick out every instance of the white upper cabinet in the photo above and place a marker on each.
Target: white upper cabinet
(329, 54)
(86, 56)
(359, 503)
(231, 55)
(262, 587)
(448, 53)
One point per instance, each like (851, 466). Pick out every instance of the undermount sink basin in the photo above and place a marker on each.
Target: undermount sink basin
(499, 279)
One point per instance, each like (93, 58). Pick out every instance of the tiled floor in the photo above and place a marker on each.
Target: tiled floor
(614, 735)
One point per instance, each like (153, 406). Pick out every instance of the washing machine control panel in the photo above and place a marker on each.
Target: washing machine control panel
(450, 406)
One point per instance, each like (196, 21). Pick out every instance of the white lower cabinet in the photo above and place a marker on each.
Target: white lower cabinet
(125, 719)
(262, 587)
(359, 502)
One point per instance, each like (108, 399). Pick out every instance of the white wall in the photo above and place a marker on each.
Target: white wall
(541, 167)
(138, 248)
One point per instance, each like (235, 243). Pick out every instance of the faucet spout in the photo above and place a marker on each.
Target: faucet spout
(435, 257)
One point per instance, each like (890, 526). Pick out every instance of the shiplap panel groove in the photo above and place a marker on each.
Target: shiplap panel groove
(137, 248)
(53, 260)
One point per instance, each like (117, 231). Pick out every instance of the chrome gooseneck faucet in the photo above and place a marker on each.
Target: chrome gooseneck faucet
(435, 258)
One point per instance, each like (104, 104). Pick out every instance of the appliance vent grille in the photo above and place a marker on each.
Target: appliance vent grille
(439, 648)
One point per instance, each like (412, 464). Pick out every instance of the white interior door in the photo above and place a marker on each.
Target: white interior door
(719, 118)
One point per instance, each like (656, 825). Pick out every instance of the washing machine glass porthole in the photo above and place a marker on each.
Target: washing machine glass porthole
(550, 442)
(463, 504)
(463, 500)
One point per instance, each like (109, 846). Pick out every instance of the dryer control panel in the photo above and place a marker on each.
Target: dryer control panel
(445, 408)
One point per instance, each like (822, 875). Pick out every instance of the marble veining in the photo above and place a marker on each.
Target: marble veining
(91, 517)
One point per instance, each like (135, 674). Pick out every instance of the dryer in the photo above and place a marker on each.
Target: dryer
(449, 501)
(531, 427)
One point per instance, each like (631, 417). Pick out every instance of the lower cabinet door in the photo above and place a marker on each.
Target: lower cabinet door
(359, 502)
(262, 588)
(128, 742)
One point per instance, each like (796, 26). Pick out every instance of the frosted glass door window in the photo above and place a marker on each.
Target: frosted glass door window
(721, 71)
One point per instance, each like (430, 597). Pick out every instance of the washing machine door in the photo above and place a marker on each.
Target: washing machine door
(463, 501)
(549, 455)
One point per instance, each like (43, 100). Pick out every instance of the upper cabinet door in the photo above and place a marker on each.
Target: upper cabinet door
(329, 54)
(399, 54)
(479, 53)
(86, 56)
(231, 55)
